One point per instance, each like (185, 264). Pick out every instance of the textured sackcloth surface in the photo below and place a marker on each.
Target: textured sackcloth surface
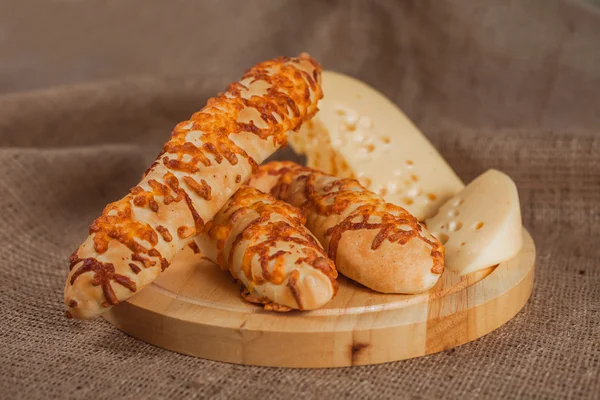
(90, 90)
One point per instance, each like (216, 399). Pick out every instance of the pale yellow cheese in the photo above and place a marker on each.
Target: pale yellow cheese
(359, 133)
(481, 226)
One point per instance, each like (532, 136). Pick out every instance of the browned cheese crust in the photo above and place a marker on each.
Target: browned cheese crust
(262, 241)
(378, 244)
(205, 161)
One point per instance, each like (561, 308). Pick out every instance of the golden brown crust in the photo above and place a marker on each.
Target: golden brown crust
(176, 195)
(338, 207)
(264, 244)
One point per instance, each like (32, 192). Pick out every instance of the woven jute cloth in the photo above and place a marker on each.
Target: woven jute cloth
(90, 90)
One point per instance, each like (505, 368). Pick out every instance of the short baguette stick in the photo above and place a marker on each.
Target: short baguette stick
(375, 243)
(206, 160)
(263, 243)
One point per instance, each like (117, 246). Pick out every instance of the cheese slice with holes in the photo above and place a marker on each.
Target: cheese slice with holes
(359, 133)
(481, 226)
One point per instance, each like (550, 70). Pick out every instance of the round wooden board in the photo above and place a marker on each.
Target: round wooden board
(195, 308)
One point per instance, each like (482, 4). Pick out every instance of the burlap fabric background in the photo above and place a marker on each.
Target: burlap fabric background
(92, 88)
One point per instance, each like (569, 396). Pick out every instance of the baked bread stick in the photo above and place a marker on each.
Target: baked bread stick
(205, 161)
(263, 243)
(375, 243)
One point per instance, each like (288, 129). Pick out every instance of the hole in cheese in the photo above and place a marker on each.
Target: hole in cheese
(443, 238)
(453, 213)
(455, 226)
(478, 226)
(457, 202)
(351, 119)
(366, 123)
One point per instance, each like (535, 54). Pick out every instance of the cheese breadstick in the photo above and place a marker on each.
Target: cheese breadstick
(205, 161)
(262, 241)
(375, 243)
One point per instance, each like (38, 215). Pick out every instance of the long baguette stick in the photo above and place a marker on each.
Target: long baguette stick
(206, 160)
(263, 243)
(375, 243)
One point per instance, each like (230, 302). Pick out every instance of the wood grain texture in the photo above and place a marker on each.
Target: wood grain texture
(195, 308)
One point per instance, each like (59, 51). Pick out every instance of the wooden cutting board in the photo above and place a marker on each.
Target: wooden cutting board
(195, 308)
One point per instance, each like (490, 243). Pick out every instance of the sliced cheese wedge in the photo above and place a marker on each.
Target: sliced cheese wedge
(359, 133)
(481, 226)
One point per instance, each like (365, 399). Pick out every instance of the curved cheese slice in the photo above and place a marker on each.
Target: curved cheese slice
(481, 226)
(359, 133)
